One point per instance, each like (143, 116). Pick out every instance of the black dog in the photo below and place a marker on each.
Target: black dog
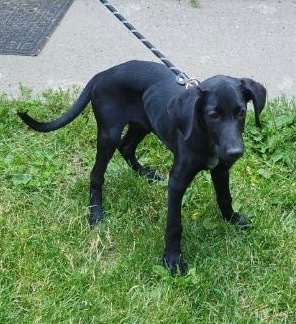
(202, 126)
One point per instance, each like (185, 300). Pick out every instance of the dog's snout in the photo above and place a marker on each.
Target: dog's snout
(234, 152)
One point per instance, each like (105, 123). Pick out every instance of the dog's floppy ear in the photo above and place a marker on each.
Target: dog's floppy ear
(183, 108)
(257, 93)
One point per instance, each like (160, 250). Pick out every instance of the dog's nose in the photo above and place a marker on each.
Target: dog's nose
(235, 152)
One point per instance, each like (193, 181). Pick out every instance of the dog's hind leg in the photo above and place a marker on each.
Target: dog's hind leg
(127, 147)
(107, 143)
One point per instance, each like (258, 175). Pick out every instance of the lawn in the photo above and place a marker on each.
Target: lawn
(54, 269)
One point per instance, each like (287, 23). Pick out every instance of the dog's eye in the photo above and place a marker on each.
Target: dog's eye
(214, 115)
(241, 113)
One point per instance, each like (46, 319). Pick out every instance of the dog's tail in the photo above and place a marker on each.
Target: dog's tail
(66, 118)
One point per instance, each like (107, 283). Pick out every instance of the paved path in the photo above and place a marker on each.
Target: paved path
(243, 38)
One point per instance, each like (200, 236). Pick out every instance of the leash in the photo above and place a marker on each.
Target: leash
(181, 78)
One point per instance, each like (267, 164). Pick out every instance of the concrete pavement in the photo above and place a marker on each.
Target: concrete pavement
(241, 38)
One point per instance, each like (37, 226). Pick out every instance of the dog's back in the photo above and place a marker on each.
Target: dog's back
(133, 77)
(135, 92)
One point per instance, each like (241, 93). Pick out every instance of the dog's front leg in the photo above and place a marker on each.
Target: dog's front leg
(220, 178)
(179, 180)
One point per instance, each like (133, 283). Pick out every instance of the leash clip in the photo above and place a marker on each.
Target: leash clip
(183, 80)
(191, 82)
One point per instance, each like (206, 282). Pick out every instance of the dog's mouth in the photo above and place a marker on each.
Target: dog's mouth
(229, 154)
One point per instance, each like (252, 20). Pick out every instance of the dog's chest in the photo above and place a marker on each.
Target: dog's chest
(212, 161)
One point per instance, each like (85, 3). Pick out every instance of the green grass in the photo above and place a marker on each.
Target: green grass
(54, 269)
(195, 3)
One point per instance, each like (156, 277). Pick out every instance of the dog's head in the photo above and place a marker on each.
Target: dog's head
(217, 107)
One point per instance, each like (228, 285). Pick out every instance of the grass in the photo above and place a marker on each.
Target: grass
(54, 269)
(195, 3)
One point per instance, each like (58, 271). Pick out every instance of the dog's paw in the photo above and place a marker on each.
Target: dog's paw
(240, 221)
(175, 263)
(96, 216)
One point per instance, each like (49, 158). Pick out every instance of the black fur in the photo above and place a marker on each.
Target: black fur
(202, 126)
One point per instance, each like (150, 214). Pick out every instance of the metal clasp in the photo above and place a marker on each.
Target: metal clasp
(184, 80)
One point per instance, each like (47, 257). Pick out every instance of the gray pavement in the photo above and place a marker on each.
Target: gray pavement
(241, 38)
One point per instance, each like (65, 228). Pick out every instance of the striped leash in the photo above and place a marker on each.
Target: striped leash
(181, 77)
